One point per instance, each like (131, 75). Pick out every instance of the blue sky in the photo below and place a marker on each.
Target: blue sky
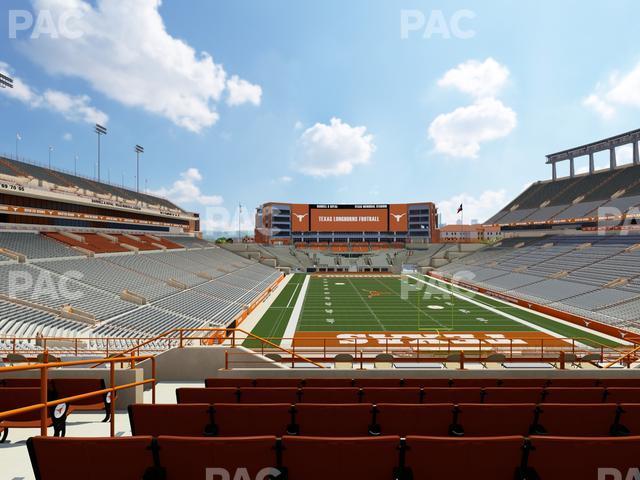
(252, 101)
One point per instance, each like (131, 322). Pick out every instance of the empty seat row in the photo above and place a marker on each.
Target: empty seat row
(321, 458)
(409, 395)
(422, 382)
(354, 420)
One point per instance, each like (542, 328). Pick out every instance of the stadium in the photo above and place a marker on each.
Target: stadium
(338, 340)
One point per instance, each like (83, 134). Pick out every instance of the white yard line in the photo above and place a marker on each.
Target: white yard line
(494, 310)
(292, 326)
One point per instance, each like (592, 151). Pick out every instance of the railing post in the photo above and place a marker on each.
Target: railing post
(562, 361)
(226, 360)
(233, 337)
(324, 348)
(461, 359)
(293, 351)
(14, 344)
(76, 346)
(361, 360)
(44, 390)
(153, 375)
(112, 404)
(180, 338)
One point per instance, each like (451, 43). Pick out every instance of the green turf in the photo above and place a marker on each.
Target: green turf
(337, 304)
(274, 322)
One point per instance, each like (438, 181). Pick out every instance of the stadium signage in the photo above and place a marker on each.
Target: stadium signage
(458, 339)
(12, 187)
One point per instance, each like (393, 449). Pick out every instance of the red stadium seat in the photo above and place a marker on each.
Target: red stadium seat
(630, 418)
(333, 420)
(186, 458)
(69, 387)
(228, 382)
(620, 382)
(576, 420)
(623, 395)
(562, 458)
(94, 458)
(188, 420)
(331, 395)
(12, 398)
(268, 395)
(427, 382)
(574, 382)
(522, 382)
(379, 382)
(207, 395)
(243, 420)
(277, 382)
(474, 382)
(392, 395)
(495, 458)
(512, 395)
(328, 382)
(480, 420)
(453, 395)
(322, 458)
(432, 420)
(20, 382)
(574, 395)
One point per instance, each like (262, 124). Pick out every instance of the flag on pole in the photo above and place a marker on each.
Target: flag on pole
(459, 209)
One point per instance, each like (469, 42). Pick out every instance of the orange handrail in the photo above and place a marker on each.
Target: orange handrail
(626, 355)
(45, 403)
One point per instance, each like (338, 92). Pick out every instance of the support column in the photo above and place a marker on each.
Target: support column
(636, 157)
(592, 165)
(553, 168)
(572, 168)
(612, 158)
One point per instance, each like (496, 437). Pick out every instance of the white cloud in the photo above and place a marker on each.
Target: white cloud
(620, 90)
(186, 190)
(479, 79)
(221, 219)
(285, 179)
(67, 137)
(241, 91)
(126, 53)
(76, 108)
(334, 149)
(479, 208)
(460, 133)
(298, 125)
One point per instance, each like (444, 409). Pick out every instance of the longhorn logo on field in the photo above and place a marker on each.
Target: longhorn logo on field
(300, 217)
(398, 216)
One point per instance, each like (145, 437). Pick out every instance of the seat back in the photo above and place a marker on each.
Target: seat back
(574, 395)
(575, 419)
(320, 458)
(512, 395)
(288, 395)
(207, 395)
(241, 457)
(392, 395)
(415, 419)
(559, 458)
(69, 387)
(96, 458)
(333, 420)
(238, 420)
(18, 397)
(189, 420)
(623, 395)
(331, 395)
(485, 420)
(229, 382)
(453, 395)
(463, 458)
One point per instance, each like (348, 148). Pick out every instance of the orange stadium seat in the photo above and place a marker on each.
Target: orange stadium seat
(189, 420)
(184, 458)
(321, 458)
(495, 458)
(395, 419)
(479, 420)
(333, 420)
(562, 458)
(95, 458)
(207, 395)
(238, 420)
(575, 420)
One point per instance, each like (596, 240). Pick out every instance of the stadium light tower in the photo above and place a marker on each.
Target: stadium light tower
(50, 151)
(139, 150)
(5, 82)
(100, 130)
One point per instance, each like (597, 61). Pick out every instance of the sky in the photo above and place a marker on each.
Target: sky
(365, 101)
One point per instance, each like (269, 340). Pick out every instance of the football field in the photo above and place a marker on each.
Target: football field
(409, 306)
